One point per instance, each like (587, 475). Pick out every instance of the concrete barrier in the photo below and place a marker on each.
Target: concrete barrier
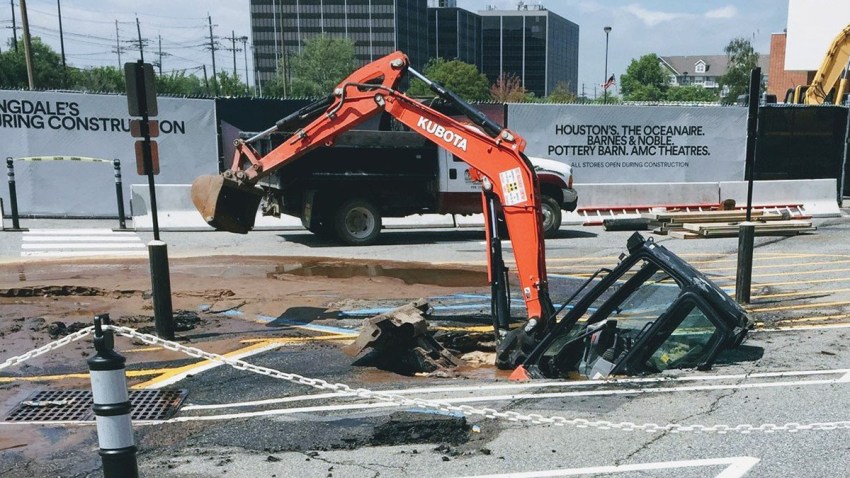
(177, 213)
(647, 195)
(816, 196)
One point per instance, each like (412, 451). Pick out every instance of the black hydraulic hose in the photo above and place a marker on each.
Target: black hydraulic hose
(303, 115)
(492, 128)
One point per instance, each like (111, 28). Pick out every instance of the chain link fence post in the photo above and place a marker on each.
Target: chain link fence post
(111, 405)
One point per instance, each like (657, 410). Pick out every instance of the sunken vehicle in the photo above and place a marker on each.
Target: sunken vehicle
(652, 312)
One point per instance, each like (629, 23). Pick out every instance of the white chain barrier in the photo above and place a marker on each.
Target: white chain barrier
(472, 411)
(429, 404)
(80, 334)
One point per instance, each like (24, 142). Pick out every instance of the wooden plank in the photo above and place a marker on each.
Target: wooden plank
(773, 225)
(684, 235)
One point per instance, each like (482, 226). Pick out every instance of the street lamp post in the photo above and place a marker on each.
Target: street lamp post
(605, 80)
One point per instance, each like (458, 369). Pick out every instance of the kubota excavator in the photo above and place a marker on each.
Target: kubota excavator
(509, 185)
(629, 322)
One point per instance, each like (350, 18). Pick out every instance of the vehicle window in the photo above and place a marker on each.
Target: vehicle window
(648, 301)
(686, 345)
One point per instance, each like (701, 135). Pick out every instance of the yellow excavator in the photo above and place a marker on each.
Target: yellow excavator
(829, 84)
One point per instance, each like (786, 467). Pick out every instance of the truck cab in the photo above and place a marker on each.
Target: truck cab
(343, 191)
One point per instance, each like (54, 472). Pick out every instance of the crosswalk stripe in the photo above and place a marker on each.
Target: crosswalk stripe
(138, 245)
(81, 239)
(80, 242)
(81, 253)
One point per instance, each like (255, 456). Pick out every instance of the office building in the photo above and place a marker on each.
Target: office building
(454, 33)
(279, 29)
(536, 45)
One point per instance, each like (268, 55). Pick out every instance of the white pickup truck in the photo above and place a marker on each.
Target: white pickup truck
(345, 190)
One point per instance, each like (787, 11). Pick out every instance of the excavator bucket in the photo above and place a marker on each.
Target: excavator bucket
(224, 204)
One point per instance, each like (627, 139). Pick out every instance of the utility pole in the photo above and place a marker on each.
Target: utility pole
(141, 47)
(27, 44)
(118, 46)
(233, 49)
(244, 40)
(14, 25)
(62, 42)
(212, 50)
(159, 42)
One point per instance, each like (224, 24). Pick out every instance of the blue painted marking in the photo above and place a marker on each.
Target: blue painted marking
(304, 325)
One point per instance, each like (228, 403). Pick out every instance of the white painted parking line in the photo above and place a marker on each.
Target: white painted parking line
(80, 243)
(485, 398)
(525, 386)
(736, 467)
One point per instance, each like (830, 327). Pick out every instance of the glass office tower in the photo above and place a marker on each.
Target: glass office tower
(538, 46)
(279, 29)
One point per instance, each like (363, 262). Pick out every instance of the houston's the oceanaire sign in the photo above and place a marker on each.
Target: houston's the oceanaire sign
(34, 123)
(636, 144)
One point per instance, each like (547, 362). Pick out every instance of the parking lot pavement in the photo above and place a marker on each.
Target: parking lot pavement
(794, 370)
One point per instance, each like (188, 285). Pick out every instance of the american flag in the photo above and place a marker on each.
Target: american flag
(608, 84)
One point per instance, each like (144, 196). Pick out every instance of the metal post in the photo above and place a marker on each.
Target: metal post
(119, 193)
(13, 194)
(161, 289)
(605, 78)
(111, 405)
(747, 230)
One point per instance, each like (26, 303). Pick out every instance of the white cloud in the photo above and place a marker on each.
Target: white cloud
(653, 17)
(725, 12)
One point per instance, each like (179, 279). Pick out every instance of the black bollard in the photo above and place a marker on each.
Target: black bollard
(744, 277)
(111, 405)
(13, 194)
(119, 194)
(161, 289)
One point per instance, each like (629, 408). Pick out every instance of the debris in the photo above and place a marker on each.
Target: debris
(400, 342)
(626, 224)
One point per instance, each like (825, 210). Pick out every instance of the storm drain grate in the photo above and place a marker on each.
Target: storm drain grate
(76, 405)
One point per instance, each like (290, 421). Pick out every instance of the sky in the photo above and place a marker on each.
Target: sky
(638, 27)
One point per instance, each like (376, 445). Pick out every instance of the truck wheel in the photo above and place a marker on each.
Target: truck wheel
(551, 216)
(357, 222)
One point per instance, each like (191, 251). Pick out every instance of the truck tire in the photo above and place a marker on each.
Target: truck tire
(551, 216)
(357, 222)
(319, 229)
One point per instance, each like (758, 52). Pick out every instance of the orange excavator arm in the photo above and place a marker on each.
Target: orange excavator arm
(509, 185)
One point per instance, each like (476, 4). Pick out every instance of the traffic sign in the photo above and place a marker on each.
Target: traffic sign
(140, 158)
(136, 128)
(141, 89)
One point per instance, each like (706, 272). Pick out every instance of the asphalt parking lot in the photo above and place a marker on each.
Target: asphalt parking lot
(775, 407)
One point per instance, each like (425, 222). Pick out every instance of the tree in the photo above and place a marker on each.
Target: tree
(47, 66)
(322, 63)
(229, 84)
(742, 58)
(561, 94)
(181, 84)
(102, 78)
(691, 93)
(459, 77)
(508, 89)
(644, 80)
